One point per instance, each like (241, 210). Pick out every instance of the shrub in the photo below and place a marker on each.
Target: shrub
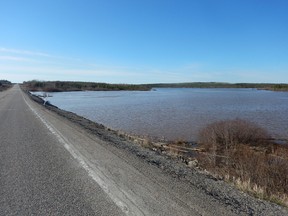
(221, 137)
(243, 152)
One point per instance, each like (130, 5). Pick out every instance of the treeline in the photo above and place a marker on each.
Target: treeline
(60, 86)
(266, 86)
(5, 84)
(277, 87)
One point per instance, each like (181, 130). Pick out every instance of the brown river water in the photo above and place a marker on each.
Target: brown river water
(177, 113)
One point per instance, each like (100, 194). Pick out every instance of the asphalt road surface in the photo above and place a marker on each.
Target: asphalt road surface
(49, 166)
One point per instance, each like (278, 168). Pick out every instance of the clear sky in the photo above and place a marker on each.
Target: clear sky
(144, 41)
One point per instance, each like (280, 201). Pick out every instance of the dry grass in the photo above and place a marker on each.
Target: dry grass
(242, 152)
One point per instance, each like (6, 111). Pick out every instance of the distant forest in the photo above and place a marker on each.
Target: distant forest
(60, 86)
(265, 86)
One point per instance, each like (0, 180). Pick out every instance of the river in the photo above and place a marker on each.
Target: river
(177, 113)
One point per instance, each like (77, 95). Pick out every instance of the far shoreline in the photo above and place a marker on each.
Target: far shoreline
(68, 86)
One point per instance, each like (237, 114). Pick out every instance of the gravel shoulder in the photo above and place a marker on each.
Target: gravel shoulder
(173, 189)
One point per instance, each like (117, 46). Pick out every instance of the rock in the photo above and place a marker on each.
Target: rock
(193, 163)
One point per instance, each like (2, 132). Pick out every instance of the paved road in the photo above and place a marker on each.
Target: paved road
(49, 166)
(38, 176)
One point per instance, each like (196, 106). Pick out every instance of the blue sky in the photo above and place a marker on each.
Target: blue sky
(144, 41)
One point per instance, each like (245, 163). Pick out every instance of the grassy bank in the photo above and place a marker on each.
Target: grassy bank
(61, 86)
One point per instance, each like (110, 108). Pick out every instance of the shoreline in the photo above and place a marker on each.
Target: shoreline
(67, 86)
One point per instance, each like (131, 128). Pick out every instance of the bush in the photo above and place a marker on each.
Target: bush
(223, 136)
(242, 152)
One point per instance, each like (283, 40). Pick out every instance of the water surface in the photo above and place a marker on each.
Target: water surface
(177, 113)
